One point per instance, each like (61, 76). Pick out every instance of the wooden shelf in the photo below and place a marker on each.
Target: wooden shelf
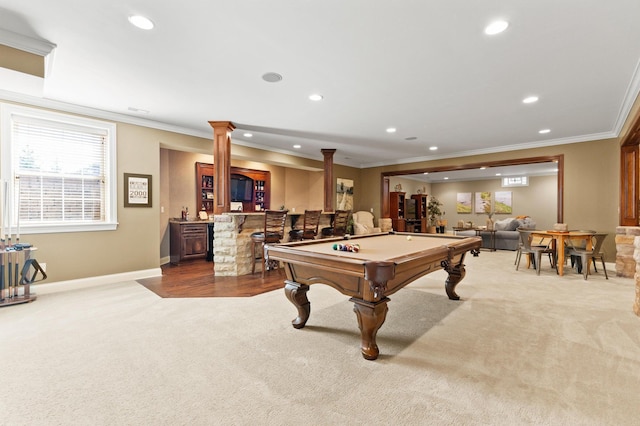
(397, 210)
(204, 187)
(260, 196)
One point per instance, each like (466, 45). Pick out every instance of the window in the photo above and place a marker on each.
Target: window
(60, 170)
(515, 181)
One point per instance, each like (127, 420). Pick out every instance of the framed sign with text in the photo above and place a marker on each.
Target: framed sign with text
(137, 190)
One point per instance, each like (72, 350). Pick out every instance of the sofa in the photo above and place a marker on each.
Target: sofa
(507, 236)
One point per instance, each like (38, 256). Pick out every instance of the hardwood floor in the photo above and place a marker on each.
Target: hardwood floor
(196, 279)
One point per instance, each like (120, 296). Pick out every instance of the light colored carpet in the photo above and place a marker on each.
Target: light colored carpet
(517, 349)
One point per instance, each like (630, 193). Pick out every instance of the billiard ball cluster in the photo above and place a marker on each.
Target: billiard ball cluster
(354, 248)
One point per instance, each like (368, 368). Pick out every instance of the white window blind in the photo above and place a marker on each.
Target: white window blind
(62, 169)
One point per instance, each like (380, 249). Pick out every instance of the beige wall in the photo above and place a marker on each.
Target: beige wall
(133, 246)
(536, 200)
(409, 186)
(22, 61)
(591, 181)
(591, 194)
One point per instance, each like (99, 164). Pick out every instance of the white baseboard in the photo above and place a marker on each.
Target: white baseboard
(99, 280)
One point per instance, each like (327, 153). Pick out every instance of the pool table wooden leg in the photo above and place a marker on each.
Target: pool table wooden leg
(456, 274)
(297, 294)
(371, 316)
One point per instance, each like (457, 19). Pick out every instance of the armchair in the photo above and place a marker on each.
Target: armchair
(363, 223)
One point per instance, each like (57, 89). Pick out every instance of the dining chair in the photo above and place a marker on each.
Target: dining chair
(582, 243)
(540, 243)
(272, 232)
(584, 256)
(534, 252)
(309, 229)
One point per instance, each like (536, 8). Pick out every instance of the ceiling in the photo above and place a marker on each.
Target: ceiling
(425, 68)
(549, 168)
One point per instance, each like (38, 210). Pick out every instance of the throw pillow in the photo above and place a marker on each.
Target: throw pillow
(501, 225)
(527, 223)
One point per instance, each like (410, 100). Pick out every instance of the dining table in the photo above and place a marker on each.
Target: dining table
(559, 240)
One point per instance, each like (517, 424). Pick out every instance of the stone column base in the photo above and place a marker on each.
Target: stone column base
(636, 256)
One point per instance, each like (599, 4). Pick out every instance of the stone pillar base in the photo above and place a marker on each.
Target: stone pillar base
(628, 258)
(636, 256)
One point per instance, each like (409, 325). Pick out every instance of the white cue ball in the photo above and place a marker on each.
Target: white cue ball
(408, 237)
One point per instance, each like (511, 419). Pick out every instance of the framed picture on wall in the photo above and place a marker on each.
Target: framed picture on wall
(463, 202)
(137, 190)
(483, 202)
(344, 194)
(503, 202)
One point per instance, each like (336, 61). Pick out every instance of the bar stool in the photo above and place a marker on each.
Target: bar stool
(309, 228)
(339, 225)
(274, 221)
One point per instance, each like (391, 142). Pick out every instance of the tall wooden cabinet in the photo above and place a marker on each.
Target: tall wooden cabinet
(397, 210)
(204, 187)
(421, 210)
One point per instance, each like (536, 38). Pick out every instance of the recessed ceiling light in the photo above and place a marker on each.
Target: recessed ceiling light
(498, 174)
(141, 22)
(316, 97)
(297, 146)
(433, 148)
(483, 168)
(543, 131)
(496, 27)
(446, 178)
(272, 77)
(247, 135)
(425, 173)
(391, 130)
(530, 100)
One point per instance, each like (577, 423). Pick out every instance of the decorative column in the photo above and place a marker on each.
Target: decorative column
(625, 262)
(328, 179)
(222, 165)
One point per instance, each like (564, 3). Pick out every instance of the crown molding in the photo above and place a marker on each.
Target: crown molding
(515, 147)
(28, 44)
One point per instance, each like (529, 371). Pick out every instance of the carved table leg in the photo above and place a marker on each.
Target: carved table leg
(370, 316)
(297, 294)
(456, 274)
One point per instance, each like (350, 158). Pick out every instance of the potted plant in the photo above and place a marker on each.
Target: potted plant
(434, 210)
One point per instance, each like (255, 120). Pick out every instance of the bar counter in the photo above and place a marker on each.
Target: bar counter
(232, 241)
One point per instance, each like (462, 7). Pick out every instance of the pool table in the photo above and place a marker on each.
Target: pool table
(384, 264)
